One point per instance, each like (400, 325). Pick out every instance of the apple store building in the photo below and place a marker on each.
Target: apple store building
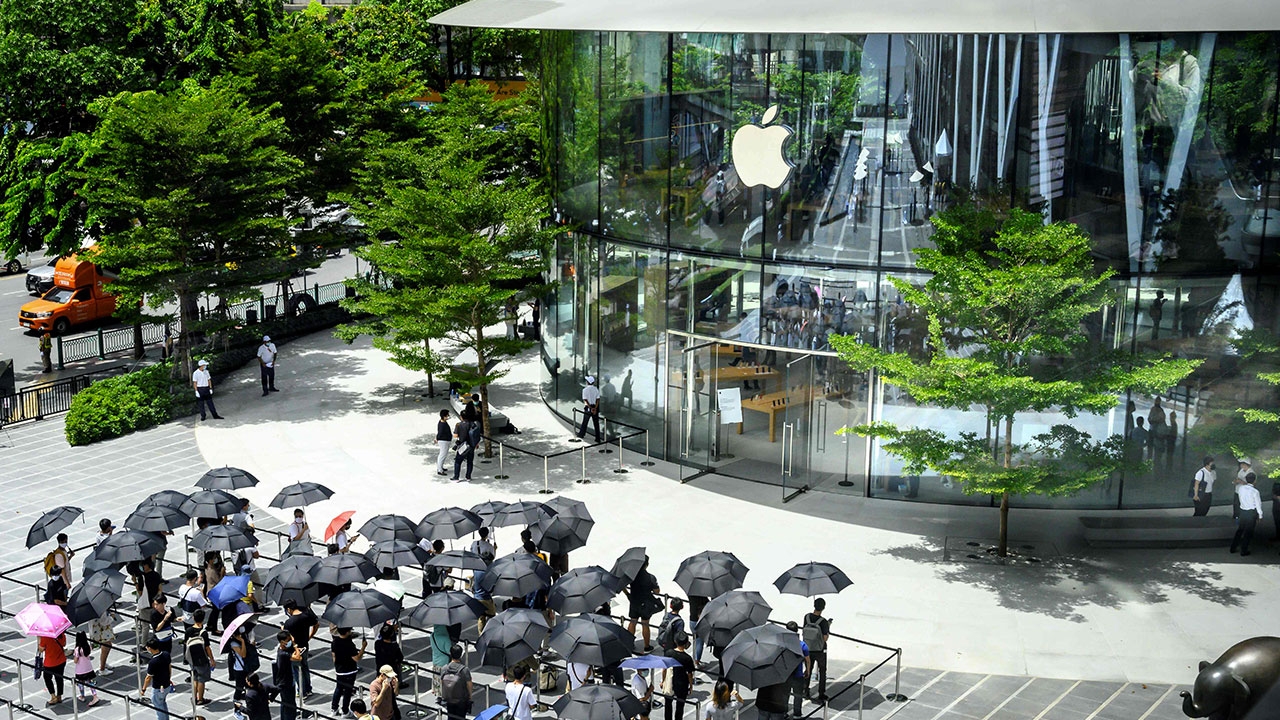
(738, 180)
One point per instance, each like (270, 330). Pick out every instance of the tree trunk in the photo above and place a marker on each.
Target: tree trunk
(431, 383)
(139, 350)
(1003, 549)
(482, 370)
(182, 363)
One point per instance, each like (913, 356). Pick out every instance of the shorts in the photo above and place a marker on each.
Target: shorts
(201, 674)
(87, 677)
(101, 631)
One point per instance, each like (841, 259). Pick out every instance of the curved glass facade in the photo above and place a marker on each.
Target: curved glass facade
(678, 281)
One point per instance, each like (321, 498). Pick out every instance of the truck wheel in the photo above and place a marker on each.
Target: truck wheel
(301, 303)
(13, 267)
(61, 326)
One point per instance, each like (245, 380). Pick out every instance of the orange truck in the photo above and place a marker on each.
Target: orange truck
(78, 297)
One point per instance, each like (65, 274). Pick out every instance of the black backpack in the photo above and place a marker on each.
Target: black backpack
(672, 625)
(453, 687)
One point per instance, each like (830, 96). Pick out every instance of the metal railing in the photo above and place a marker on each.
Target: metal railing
(104, 342)
(37, 402)
(604, 446)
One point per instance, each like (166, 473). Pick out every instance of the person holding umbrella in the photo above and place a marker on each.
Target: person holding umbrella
(54, 652)
(61, 556)
(643, 602)
(799, 680)
(817, 630)
(725, 702)
(301, 624)
(682, 677)
(456, 685)
(346, 661)
(520, 699)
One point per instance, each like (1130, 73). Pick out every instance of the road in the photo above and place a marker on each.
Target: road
(21, 345)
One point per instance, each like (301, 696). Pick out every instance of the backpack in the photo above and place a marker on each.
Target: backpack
(194, 652)
(812, 633)
(486, 554)
(50, 563)
(671, 625)
(453, 689)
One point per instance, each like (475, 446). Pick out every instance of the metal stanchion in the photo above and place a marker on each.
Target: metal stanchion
(647, 462)
(22, 700)
(896, 695)
(620, 468)
(137, 652)
(128, 712)
(501, 475)
(417, 708)
(191, 678)
(604, 433)
(279, 551)
(75, 698)
(862, 691)
(583, 480)
(546, 486)
(186, 551)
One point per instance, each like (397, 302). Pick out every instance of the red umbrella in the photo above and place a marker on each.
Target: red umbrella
(336, 524)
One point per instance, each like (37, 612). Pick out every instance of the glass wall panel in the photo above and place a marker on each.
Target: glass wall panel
(631, 306)
(635, 136)
(572, 94)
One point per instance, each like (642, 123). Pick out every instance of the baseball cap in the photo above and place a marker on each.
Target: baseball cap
(1245, 461)
(266, 338)
(591, 379)
(203, 363)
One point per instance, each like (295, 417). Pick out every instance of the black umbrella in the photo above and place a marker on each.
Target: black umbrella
(344, 569)
(568, 506)
(460, 559)
(226, 478)
(396, 553)
(729, 614)
(583, 590)
(449, 523)
(592, 639)
(760, 656)
(152, 517)
(711, 573)
(628, 564)
(211, 504)
(222, 538)
(94, 595)
(511, 636)
(389, 527)
(447, 607)
(561, 534)
(811, 579)
(128, 545)
(525, 512)
(171, 498)
(92, 564)
(294, 577)
(598, 702)
(361, 608)
(51, 523)
(487, 511)
(516, 575)
(300, 494)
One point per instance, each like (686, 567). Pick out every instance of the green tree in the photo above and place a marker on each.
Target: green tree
(1005, 311)
(187, 187)
(457, 224)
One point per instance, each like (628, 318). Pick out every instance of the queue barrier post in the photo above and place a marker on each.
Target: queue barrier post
(583, 480)
(896, 695)
(862, 691)
(647, 462)
(75, 698)
(22, 700)
(604, 433)
(546, 483)
(620, 468)
(501, 473)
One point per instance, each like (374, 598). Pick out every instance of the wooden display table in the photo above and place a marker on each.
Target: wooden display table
(734, 374)
(775, 402)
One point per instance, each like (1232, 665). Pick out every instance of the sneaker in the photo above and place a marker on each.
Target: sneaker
(93, 701)
(442, 473)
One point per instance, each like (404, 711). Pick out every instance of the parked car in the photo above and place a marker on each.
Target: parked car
(13, 267)
(40, 278)
(79, 296)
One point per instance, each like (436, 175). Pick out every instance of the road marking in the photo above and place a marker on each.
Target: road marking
(924, 687)
(1009, 699)
(1156, 704)
(1055, 702)
(963, 695)
(1104, 705)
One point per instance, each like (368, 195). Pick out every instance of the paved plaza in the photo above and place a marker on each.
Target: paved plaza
(1093, 634)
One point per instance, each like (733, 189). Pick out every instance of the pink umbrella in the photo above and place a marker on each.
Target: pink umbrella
(42, 620)
(231, 630)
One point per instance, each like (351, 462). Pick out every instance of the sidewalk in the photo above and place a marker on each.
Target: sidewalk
(350, 418)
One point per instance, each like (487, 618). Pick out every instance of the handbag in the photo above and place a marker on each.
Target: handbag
(37, 666)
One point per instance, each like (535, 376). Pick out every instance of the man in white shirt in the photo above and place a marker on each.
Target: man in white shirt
(105, 529)
(521, 699)
(591, 407)
(267, 362)
(202, 382)
(1250, 514)
(299, 531)
(191, 597)
(579, 674)
(642, 690)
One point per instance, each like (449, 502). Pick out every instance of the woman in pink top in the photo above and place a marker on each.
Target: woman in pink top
(86, 688)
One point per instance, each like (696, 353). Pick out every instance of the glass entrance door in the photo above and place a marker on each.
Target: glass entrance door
(691, 392)
(797, 424)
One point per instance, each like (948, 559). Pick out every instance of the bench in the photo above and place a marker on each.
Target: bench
(497, 420)
(1158, 531)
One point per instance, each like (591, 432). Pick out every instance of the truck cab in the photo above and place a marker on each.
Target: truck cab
(78, 297)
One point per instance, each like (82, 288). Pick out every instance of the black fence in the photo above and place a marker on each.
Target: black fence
(105, 342)
(39, 401)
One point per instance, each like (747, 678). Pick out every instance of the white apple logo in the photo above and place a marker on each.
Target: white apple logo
(757, 152)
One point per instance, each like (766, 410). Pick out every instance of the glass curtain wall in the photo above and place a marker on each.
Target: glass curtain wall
(1162, 147)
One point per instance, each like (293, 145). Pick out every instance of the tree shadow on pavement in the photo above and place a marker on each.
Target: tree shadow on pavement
(1059, 589)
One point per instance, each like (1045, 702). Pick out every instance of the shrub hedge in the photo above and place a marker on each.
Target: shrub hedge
(120, 405)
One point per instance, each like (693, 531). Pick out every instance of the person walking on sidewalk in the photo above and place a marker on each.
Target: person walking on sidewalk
(202, 381)
(267, 362)
(444, 438)
(53, 652)
(46, 347)
(464, 448)
(1202, 487)
(591, 407)
(1250, 514)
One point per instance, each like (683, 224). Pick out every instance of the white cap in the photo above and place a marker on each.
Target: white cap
(266, 338)
(202, 363)
(591, 379)
(1245, 461)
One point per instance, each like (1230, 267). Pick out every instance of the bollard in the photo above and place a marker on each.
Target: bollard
(647, 462)
(500, 475)
(896, 695)
(620, 468)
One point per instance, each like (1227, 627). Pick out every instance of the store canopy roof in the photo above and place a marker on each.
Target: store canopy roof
(870, 16)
